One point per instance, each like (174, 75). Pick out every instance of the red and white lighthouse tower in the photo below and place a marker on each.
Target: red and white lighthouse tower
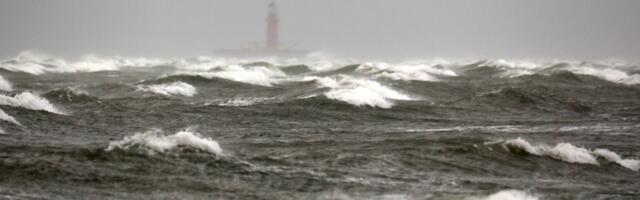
(272, 27)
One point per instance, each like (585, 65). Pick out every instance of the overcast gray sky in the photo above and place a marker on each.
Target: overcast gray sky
(535, 29)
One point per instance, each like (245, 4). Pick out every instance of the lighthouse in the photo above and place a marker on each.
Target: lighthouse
(272, 46)
(272, 27)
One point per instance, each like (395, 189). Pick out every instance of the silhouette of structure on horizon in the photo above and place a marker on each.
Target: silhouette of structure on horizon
(272, 47)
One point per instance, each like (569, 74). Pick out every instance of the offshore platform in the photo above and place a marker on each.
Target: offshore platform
(271, 48)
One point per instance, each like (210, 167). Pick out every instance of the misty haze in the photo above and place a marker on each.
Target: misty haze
(302, 99)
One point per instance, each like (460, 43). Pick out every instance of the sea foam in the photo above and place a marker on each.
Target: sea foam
(256, 75)
(154, 141)
(613, 157)
(405, 72)
(572, 154)
(37, 64)
(508, 195)
(359, 92)
(30, 101)
(612, 73)
(168, 89)
(6, 117)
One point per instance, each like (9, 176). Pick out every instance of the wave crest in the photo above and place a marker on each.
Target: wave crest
(256, 75)
(6, 117)
(30, 101)
(359, 91)
(406, 72)
(569, 153)
(168, 89)
(153, 141)
(37, 64)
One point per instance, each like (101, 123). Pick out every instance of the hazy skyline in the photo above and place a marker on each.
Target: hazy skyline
(541, 29)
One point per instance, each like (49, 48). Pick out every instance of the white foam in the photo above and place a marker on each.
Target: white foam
(569, 153)
(168, 89)
(89, 64)
(611, 73)
(231, 68)
(526, 146)
(359, 91)
(509, 195)
(256, 75)
(406, 72)
(28, 67)
(5, 84)
(563, 151)
(153, 141)
(572, 154)
(6, 117)
(513, 68)
(31, 101)
(614, 157)
(37, 64)
(237, 102)
(512, 64)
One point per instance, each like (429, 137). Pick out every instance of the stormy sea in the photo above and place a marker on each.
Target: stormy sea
(318, 128)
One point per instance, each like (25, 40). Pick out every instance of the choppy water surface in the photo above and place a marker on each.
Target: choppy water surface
(210, 128)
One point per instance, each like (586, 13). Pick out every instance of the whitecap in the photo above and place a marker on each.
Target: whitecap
(237, 102)
(405, 72)
(153, 141)
(264, 76)
(359, 92)
(27, 67)
(6, 117)
(168, 89)
(38, 64)
(512, 64)
(569, 153)
(512, 68)
(31, 101)
(614, 157)
(508, 195)
(616, 74)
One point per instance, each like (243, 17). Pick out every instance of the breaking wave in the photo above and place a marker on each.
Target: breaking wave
(569, 153)
(257, 75)
(613, 157)
(406, 72)
(6, 117)
(510, 69)
(509, 195)
(168, 89)
(154, 141)
(30, 101)
(272, 71)
(358, 91)
(37, 64)
(610, 73)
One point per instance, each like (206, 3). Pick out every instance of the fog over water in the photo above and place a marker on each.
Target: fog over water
(545, 29)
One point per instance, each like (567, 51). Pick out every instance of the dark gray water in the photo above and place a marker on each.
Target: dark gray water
(318, 129)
